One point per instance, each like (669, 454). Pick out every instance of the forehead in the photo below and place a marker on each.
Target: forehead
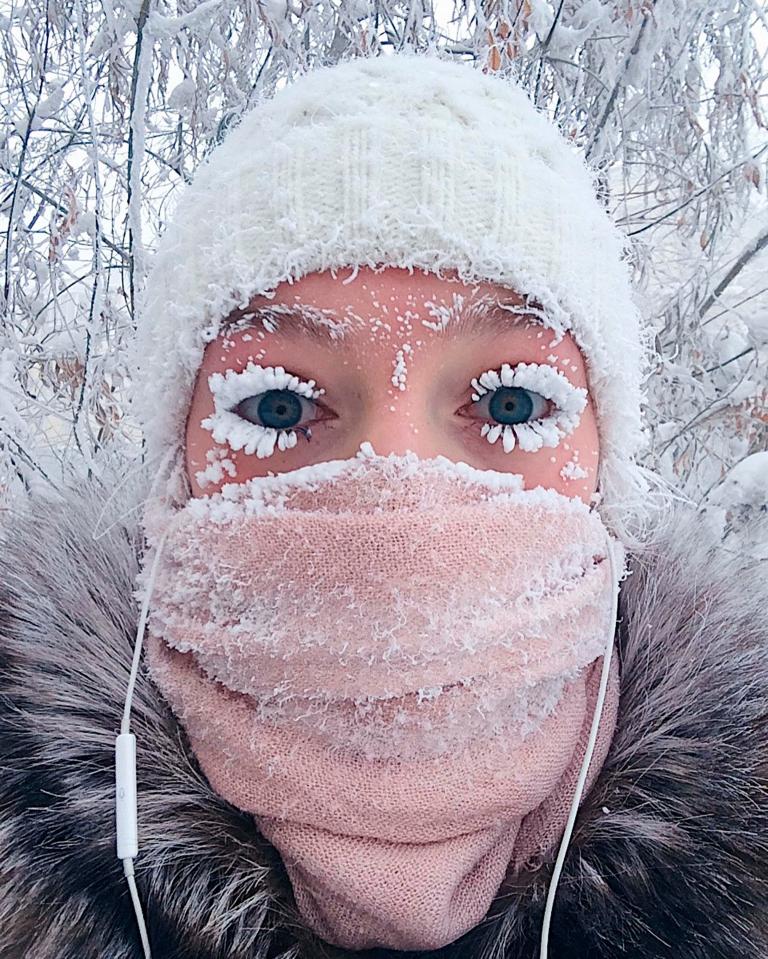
(350, 305)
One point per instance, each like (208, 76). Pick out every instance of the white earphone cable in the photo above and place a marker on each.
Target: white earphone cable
(126, 808)
(607, 656)
(126, 811)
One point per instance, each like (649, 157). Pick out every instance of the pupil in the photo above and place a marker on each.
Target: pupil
(278, 409)
(510, 404)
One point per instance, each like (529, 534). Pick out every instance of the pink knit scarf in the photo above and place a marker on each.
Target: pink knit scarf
(391, 663)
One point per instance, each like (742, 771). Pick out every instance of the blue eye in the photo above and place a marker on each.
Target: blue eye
(275, 409)
(519, 415)
(508, 405)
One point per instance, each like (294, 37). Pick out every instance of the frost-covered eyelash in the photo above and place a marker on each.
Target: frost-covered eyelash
(230, 388)
(548, 382)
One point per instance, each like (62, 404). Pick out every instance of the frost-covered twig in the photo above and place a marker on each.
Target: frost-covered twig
(747, 254)
(20, 167)
(94, 307)
(142, 63)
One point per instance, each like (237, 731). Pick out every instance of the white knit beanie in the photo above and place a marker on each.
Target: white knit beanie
(408, 160)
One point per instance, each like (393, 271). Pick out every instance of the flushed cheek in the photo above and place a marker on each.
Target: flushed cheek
(571, 468)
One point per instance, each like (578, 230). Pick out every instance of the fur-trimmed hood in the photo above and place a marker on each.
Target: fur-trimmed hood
(669, 856)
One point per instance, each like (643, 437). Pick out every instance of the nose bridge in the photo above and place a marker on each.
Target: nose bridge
(397, 421)
(403, 403)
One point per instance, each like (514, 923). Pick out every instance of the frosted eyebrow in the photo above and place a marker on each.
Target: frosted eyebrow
(290, 319)
(482, 317)
(485, 317)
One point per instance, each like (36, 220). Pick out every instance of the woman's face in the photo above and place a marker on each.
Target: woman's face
(395, 365)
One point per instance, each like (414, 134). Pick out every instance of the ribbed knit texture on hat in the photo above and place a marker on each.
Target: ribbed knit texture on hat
(407, 160)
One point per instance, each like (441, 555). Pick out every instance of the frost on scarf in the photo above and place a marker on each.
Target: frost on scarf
(388, 606)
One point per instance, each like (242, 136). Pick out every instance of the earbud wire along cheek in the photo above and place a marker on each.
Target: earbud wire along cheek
(549, 383)
(231, 388)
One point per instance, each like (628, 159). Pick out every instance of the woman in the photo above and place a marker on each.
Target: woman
(389, 370)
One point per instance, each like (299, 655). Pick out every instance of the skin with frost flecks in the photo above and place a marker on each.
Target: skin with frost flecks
(400, 377)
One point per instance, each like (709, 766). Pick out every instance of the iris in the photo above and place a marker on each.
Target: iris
(278, 409)
(510, 404)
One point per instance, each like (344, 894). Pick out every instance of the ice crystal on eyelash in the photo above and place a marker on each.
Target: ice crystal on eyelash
(549, 383)
(230, 388)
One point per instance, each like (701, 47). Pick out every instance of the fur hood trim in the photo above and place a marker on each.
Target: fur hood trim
(669, 856)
